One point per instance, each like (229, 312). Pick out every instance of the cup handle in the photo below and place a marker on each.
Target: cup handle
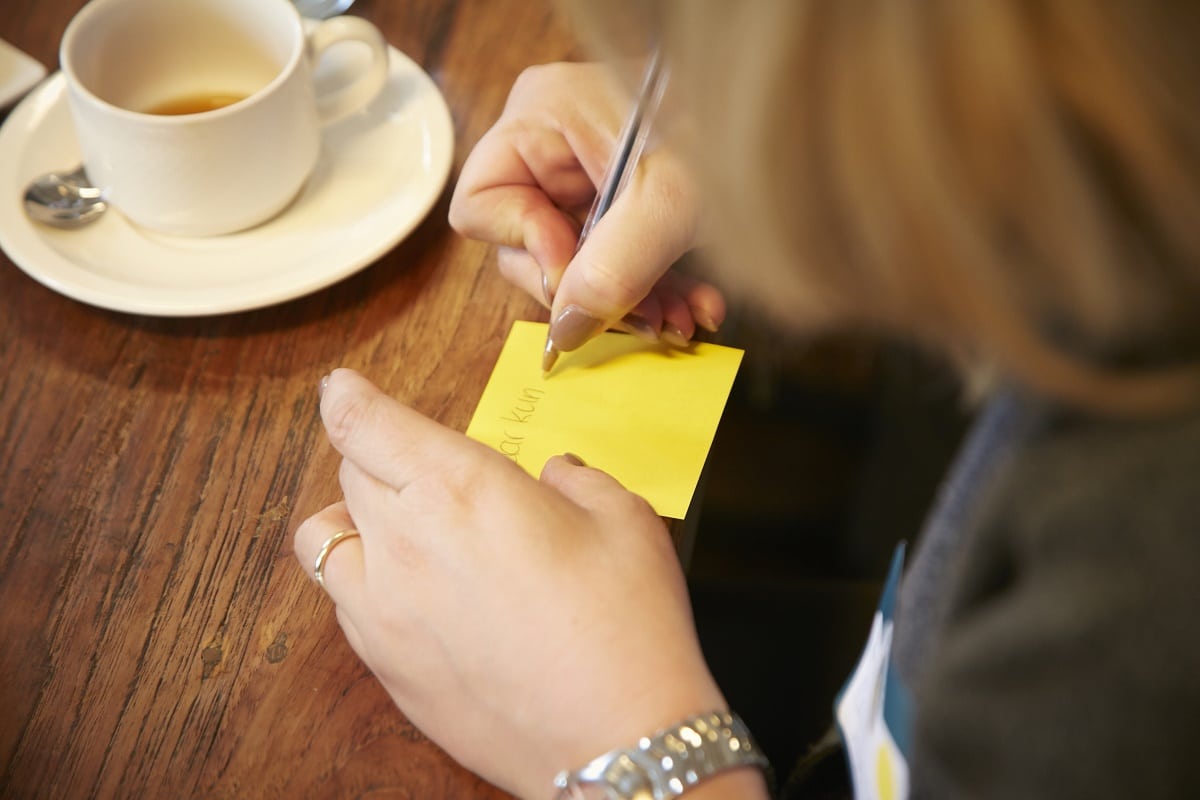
(366, 81)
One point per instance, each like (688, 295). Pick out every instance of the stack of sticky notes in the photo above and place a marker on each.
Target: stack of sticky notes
(644, 413)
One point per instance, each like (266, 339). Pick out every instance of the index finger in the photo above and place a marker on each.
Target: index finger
(515, 172)
(386, 439)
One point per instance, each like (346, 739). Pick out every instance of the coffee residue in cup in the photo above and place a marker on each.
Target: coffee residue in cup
(195, 103)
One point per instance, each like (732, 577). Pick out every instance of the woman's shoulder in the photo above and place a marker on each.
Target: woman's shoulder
(1099, 518)
(1066, 664)
(1083, 479)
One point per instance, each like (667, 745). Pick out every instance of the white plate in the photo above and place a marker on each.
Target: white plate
(379, 173)
(18, 73)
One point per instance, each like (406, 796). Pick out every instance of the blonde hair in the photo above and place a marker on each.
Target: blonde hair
(1015, 183)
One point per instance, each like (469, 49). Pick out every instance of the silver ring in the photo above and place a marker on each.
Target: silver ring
(326, 549)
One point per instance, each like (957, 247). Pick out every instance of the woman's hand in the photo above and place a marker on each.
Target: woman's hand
(524, 625)
(528, 185)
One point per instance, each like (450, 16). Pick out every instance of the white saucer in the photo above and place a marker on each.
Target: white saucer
(379, 173)
(18, 73)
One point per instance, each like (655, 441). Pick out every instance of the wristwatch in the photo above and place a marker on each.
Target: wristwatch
(667, 764)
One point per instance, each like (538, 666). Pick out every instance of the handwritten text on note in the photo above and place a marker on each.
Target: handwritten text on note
(646, 414)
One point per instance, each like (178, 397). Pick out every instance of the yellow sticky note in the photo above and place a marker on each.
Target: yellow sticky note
(646, 414)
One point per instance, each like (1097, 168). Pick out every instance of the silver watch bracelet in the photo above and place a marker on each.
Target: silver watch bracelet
(666, 764)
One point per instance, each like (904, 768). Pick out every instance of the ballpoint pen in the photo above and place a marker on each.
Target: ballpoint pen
(631, 142)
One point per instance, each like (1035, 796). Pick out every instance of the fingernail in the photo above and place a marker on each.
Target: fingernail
(640, 327)
(546, 293)
(703, 319)
(673, 336)
(574, 459)
(322, 386)
(549, 356)
(571, 328)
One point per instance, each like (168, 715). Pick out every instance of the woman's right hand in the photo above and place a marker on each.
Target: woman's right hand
(528, 185)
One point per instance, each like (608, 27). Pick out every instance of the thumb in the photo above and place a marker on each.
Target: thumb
(591, 489)
(649, 227)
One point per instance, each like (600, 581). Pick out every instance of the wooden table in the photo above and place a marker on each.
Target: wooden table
(157, 638)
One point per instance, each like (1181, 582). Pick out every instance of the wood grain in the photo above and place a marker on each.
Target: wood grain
(159, 640)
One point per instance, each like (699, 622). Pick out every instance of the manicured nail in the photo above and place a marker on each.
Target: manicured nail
(673, 336)
(640, 327)
(549, 356)
(704, 320)
(571, 328)
(574, 459)
(322, 386)
(546, 293)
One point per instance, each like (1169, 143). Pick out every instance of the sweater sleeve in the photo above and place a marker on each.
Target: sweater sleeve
(1069, 664)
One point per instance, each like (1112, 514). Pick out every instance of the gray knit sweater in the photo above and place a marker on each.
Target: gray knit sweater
(1049, 623)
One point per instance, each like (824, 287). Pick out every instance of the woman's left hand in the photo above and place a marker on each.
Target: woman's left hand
(524, 625)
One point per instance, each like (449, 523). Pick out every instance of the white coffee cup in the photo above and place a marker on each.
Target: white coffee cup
(135, 68)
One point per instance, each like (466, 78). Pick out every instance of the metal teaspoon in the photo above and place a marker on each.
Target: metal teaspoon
(64, 200)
